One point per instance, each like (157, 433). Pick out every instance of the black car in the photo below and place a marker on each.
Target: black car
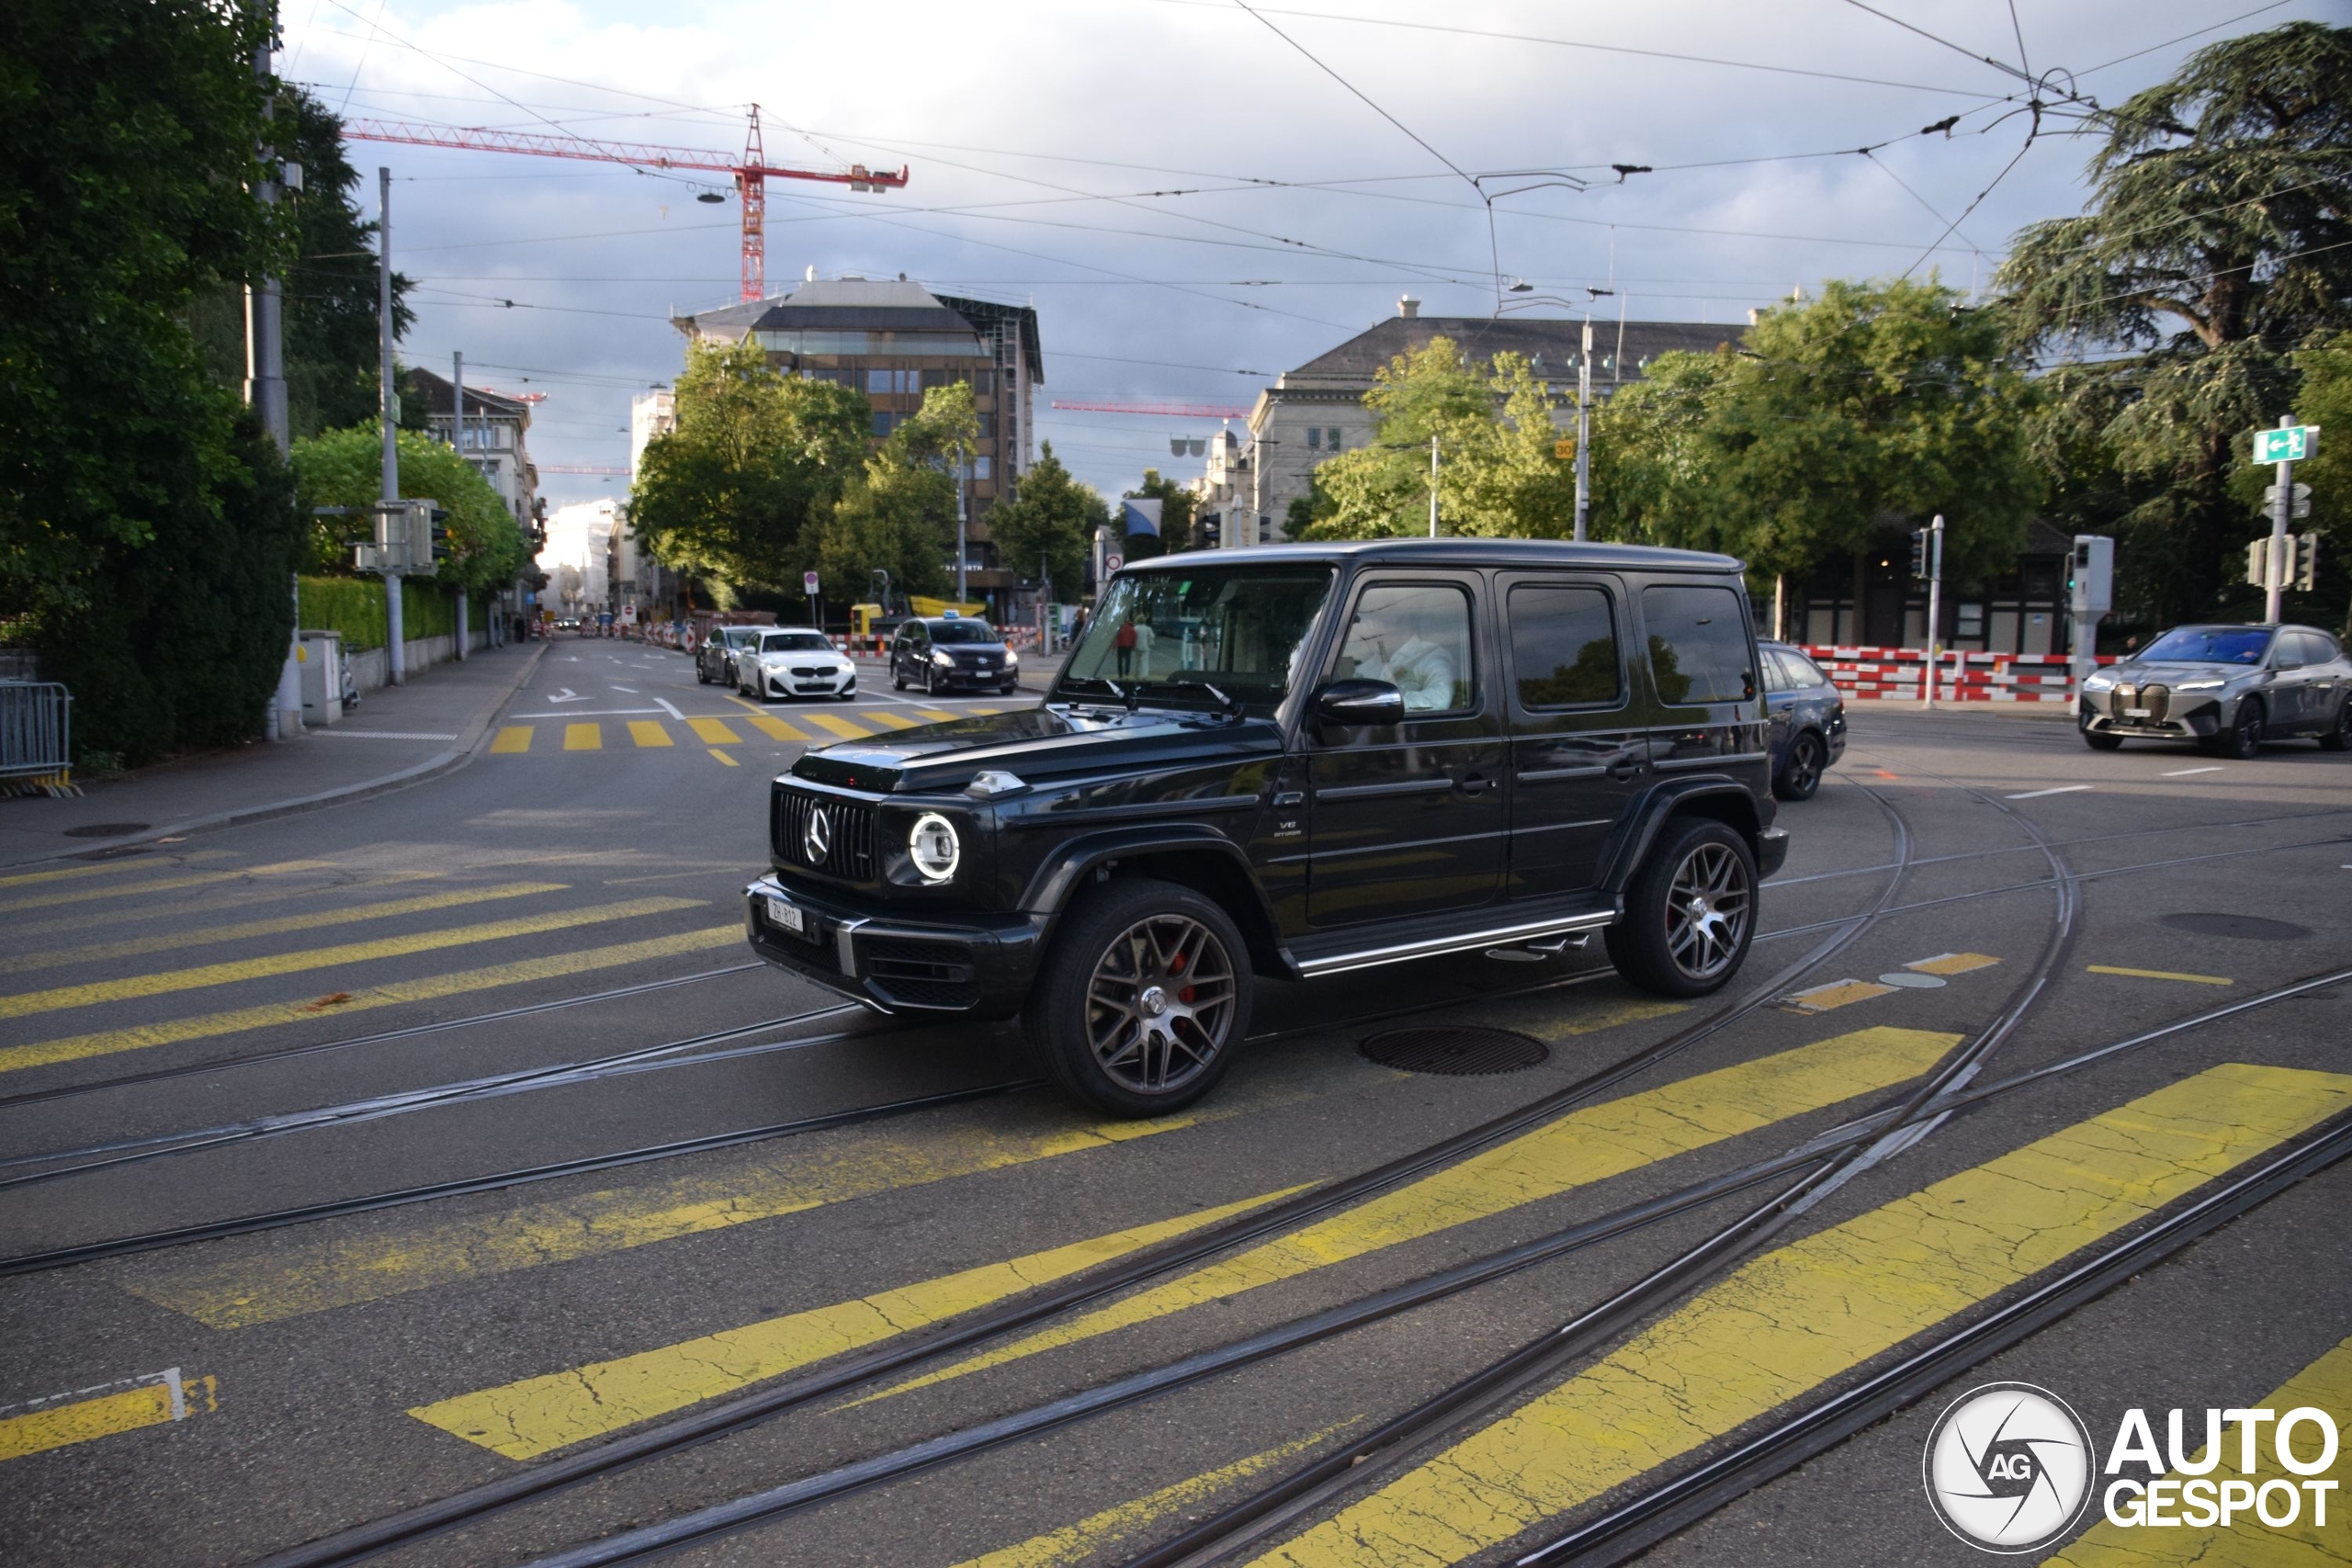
(1292, 763)
(715, 659)
(1808, 720)
(947, 653)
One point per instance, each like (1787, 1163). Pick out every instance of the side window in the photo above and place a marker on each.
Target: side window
(2291, 653)
(1563, 645)
(1416, 636)
(1699, 649)
(1804, 670)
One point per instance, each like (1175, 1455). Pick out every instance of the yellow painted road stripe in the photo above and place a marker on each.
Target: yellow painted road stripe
(838, 725)
(171, 1398)
(309, 958)
(1793, 1319)
(1952, 962)
(172, 1031)
(1580, 1148)
(1098, 1534)
(537, 1415)
(775, 726)
(512, 739)
(297, 1276)
(102, 868)
(889, 719)
(724, 758)
(212, 903)
(583, 738)
(2245, 1543)
(203, 936)
(162, 884)
(1835, 995)
(936, 716)
(714, 732)
(648, 732)
(2158, 974)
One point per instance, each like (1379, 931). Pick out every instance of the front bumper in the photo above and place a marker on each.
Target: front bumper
(979, 969)
(783, 683)
(2195, 715)
(975, 680)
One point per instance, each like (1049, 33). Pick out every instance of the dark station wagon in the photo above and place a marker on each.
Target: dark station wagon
(1307, 759)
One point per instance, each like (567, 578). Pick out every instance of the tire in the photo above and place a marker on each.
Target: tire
(1118, 954)
(930, 681)
(1008, 691)
(1657, 946)
(2243, 738)
(702, 676)
(2337, 737)
(2098, 742)
(1800, 777)
(897, 682)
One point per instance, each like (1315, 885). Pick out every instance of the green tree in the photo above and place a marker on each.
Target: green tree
(2213, 246)
(1050, 522)
(345, 467)
(900, 515)
(1176, 505)
(757, 457)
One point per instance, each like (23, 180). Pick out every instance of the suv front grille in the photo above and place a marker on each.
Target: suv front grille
(845, 847)
(2158, 700)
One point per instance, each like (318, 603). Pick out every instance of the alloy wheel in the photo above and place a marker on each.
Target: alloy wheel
(1159, 1004)
(1805, 766)
(1707, 909)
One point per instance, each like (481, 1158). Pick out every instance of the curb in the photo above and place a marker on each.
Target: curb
(468, 742)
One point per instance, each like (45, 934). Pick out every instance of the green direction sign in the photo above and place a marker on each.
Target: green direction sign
(2290, 444)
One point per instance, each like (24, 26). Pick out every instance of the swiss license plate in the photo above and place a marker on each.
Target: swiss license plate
(786, 916)
(2135, 713)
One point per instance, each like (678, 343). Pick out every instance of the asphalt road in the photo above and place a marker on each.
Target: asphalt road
(469, 979)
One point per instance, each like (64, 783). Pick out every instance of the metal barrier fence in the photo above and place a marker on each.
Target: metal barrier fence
(35, 736)
(1960, 676)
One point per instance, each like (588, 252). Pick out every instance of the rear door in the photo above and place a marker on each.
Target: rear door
(1408, 819)
(1578, 748)
(1703, 670)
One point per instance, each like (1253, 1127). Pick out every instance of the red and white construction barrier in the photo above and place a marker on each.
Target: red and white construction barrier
(1899, 674)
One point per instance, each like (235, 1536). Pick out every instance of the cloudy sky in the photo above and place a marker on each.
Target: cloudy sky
(1194, 194)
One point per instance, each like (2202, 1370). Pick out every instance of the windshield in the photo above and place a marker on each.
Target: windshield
(2209, 645)
(1237, 628)
(795, 642)
(962, 631)
(740, 636)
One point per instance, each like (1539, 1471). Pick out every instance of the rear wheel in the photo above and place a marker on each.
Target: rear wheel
(2337, 737)
(1690, 912)
(1801, 772)
(1142, 999)
(702, 676)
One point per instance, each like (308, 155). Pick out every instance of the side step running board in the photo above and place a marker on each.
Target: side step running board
(1519, 933)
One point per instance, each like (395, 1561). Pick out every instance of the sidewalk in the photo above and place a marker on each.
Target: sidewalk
(398, 735)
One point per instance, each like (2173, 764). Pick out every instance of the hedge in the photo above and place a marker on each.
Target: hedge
(355, 606)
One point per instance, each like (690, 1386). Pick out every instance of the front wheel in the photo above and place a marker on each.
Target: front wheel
(1690, 913)
(2243, 738)
(1801, 773)
(1143, 1000)
(2098, 742)
(2338, 736)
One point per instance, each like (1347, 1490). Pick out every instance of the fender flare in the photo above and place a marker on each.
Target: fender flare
(1662, 802)
(1064, 875)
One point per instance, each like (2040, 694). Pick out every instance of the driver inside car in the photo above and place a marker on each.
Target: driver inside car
(1408, 640)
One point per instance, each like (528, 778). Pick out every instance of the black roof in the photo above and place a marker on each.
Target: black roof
(1464, 552)
(1552, 342)
(438, 395)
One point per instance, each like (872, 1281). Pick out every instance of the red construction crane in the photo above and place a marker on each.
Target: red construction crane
(1171, 411)
(751, 171)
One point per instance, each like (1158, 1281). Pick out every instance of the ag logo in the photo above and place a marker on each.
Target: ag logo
(817, 838)
(2008, 1467)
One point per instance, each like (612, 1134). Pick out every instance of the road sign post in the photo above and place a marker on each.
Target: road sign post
(2283, 447)
(1935, 603)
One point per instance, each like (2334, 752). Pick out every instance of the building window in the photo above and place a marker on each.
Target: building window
(983, 468)
(883, 420)
(987, 426)
(983, 381)
(1331, 439)
(1314, 439)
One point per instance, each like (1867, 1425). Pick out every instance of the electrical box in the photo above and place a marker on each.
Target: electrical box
(322, 670)
(2091, 578)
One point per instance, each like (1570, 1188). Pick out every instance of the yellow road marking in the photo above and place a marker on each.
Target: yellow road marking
(724, 758)
(936, 716)
(512, 739)
(1790, 1320)
(102, 868)
(149, 1405)
(714, 732)
(307, 958)
(307, 1275)
(172, 1031)
(1837, 994)
(776, 727)
(537, 1415)
(889, 719)
(164, 884)
(838, 725)
(986, 710)
(2325, 1385)
(212, 903)
(648, 732)
(1097, 1533)
(2158, 974)
(202, 936)
(1952, 962)
(583, 738)
(1582, 1147)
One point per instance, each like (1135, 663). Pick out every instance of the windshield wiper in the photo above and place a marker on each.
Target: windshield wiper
(1227, 703)
(1108, 684)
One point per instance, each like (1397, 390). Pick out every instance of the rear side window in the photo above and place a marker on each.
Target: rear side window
(1563, 645)
(1802, 671)
(1699, 648)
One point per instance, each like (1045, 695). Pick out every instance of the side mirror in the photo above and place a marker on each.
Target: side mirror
(1358, 703)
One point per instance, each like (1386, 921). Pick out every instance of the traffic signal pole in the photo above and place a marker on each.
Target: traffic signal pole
(395, 633)
(2280, 564)
(1935, 601)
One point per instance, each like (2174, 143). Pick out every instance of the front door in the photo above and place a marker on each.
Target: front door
(1408, 819)
(1578, 751)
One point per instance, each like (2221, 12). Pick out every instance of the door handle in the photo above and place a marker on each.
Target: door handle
(1471, 783)
(1625, 768)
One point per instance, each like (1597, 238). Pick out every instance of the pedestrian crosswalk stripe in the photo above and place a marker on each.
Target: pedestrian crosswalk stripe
(433, 987)
(583, 738)
(936, 716)
(773, 727)
(838, 725)
(539, 1415)
(1580, 1148)
(724, 758)
(103, 868)
(714, 732)
(150, 1400)
(212, 903)
(161, 884)
(648, 732)
(202, 936)
(512, 739)
(308, 958)
(887, 718)
(2325, 1385)
(1792, 1320)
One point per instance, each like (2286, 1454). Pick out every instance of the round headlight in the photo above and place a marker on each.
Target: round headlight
(932, 847)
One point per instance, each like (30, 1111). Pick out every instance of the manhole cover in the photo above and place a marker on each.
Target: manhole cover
(1461, 1052)
(105, 829)
(2244, 927)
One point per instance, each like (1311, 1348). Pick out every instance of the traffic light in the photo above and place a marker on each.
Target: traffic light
(440, 534)
(2307, 563)
(2258, 556)
(1919, 552)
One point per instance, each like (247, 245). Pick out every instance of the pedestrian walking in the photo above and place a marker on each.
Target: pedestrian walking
(1124, 639)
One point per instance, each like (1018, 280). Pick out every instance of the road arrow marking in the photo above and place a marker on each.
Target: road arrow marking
(567, 696)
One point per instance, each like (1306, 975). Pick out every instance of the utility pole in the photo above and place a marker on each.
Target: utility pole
(1433, 487)
(962, 487)
(395, 634)
(1935, 601)
(1583, 431)
(265, 388)
(2281, 561)
(457, 427)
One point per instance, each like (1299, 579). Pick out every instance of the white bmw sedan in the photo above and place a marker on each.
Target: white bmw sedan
(794, 663)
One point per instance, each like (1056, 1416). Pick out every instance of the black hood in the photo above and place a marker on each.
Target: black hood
(1037, 745)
